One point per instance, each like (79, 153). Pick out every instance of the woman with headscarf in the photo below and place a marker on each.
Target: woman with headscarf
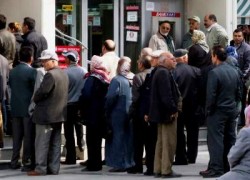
(200, 57)
(92, 101)
(119, 147)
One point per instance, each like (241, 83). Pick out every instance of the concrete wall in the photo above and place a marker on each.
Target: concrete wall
(43, 11)
(225, 11)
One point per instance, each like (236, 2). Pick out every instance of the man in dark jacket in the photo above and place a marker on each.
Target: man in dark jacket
(22, 82)
(50, 111)
(243, 51)
(7, 41)
(223, 93)
(163, 110)
(32, 38)
(188, 79)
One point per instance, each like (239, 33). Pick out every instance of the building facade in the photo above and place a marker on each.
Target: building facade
(130, 23)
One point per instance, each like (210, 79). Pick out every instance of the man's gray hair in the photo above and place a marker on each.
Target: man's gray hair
(161, 58)
(164, 56)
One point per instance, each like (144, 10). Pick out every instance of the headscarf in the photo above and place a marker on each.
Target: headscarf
(123, 68)
(232, 56)
(231, 51)
(98, 69)
(200, 39)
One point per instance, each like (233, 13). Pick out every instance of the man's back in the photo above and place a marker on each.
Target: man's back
(76, 81)
(7, 45)
(188, 79)
(111, 62)
(223, 90)
(37, 41)
(21, 81)
(164, 97)
(51, 98)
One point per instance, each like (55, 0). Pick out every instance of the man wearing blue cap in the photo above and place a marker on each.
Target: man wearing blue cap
(75, 74)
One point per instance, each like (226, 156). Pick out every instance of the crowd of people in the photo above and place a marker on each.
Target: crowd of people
(203, 82)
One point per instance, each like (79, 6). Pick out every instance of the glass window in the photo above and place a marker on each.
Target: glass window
(100, 25)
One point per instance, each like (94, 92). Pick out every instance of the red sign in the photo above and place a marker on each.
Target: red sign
(137, 28)
(60, 49)
(166, 14)
(130, 8)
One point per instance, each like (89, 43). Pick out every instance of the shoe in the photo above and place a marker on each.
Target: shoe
(84, 163)
(134, 170)
(212, 174)
(180, 163)
(204, 172)
(91, 169)
(51, 173)
(148, 173)
(26, 169)
(15, 166)
(171, 175)
(67, 163)
(114, 170)
(157, 175)
(1, 145)
(191, 161)
(35, 173)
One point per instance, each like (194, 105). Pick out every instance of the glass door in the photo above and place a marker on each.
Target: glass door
(100, 24)
(68, 20)
(68, 25)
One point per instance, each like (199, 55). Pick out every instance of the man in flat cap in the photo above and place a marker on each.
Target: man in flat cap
(194, 24)
(188, 79)
(50, 111)
(76, 81)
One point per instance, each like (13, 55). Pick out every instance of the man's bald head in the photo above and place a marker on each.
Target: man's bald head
(109, 45)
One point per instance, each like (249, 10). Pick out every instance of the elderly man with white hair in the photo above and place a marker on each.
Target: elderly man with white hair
(164, 111)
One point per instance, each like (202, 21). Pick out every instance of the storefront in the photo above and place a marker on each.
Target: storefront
(130, 23)
(243, 17)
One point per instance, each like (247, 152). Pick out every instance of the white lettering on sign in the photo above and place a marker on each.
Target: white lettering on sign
(137, 28)
(166, 14)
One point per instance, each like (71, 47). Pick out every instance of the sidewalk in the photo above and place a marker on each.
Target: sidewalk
(73, 172)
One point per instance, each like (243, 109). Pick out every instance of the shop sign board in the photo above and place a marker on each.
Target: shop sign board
(67, 7)
(60, 49)
(166, 14)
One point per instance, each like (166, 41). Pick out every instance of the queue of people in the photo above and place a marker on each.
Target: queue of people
(203, 83)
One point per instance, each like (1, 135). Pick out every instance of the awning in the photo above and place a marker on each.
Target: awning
(243, 11)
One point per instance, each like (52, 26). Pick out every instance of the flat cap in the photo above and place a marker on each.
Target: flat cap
(196, 18)
(180, 52)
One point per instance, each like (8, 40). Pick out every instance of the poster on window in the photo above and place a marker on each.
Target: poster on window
(132, 36)
(132, 16)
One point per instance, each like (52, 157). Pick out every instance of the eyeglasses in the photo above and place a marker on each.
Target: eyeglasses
(47, 60)
(172, 59)
(167, 28)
